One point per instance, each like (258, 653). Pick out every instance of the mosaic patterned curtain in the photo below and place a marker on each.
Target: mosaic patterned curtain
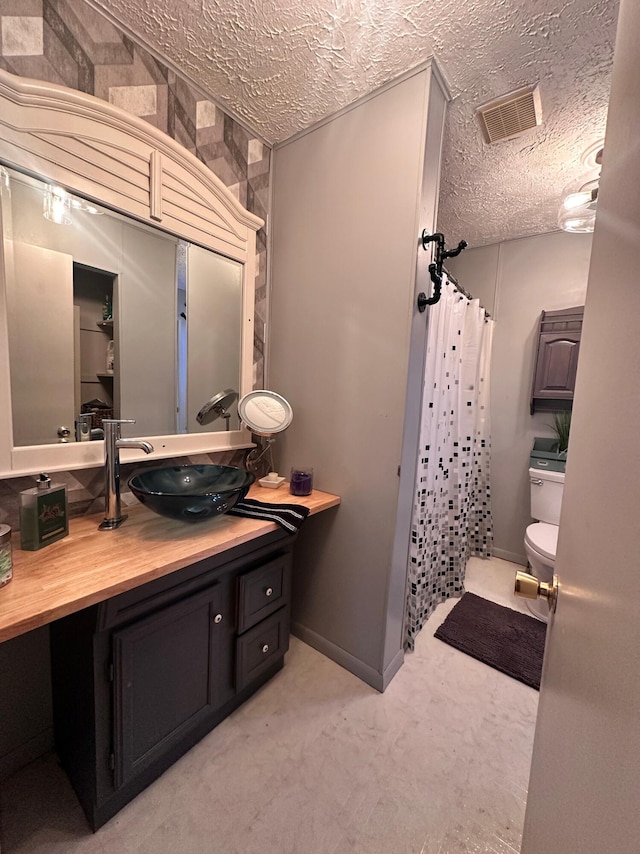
(452, 503)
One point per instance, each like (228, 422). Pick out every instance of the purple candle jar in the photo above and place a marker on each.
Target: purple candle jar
(301, 481)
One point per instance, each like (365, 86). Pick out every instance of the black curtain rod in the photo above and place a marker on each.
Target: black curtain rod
(463, 291)
(436, 269)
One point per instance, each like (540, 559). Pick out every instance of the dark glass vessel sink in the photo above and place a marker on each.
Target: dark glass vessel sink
(191, 493)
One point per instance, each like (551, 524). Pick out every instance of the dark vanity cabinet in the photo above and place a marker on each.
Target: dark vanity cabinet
(558, 346)
(140, 678)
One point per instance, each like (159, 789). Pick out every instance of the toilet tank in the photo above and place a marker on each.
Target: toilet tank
(546, 495)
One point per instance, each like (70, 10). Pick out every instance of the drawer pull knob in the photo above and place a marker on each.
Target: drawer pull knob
(265, 648)
(268, 591)
(217, 618)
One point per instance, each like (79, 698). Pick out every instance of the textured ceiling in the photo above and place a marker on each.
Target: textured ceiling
(281, 65)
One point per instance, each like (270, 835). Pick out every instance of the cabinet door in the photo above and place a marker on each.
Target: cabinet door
(556, 365)
(171, 670)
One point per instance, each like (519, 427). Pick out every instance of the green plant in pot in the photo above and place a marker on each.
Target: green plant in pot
(561, 427)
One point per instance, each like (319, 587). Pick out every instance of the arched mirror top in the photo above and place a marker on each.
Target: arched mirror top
(101, 153)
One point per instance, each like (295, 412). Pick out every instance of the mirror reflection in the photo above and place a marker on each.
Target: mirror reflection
(109, 318)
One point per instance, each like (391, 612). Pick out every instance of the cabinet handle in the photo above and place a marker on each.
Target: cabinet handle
(217, 618)
(268, 591)
(265, 648)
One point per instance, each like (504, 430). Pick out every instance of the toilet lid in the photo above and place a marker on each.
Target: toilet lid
(543, 538)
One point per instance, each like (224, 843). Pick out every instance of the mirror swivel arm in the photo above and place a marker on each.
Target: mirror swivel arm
(262, 452)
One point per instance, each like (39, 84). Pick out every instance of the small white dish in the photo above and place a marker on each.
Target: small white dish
(271, 483)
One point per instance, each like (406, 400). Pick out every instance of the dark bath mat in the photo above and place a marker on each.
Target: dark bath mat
(500, 637)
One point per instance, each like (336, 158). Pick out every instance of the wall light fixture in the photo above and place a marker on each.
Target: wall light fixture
(577, 212)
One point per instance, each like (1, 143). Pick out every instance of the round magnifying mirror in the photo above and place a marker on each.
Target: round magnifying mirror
(265, 412)
(217, 406)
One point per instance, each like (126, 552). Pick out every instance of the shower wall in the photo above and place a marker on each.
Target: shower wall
(515, 281)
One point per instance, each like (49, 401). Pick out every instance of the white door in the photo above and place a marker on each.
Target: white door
(584, 793)
(41, 335)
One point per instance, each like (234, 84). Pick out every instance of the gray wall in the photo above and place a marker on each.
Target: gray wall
(214, 329)
(515, 281)
(145, 313)
(346, 213)
(26, 718)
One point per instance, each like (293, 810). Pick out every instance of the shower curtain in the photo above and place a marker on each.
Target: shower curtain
(452, 503)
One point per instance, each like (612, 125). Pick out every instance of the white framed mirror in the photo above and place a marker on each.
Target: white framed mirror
(134, 300)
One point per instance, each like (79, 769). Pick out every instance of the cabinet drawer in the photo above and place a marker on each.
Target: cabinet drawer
(260, 647)
(262, 592)
(155, 595)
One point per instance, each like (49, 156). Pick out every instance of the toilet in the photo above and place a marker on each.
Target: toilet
(541, 538)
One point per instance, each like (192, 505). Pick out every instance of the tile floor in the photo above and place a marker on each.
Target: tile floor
(319, 763)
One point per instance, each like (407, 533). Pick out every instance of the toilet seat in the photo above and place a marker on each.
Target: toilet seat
(543, 539)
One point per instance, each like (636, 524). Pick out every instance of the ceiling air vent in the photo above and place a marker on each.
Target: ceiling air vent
(510, 115)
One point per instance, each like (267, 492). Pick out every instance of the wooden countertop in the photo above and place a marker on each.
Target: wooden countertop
(90, 566)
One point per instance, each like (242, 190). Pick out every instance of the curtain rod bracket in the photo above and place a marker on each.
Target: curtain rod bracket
(435, 269)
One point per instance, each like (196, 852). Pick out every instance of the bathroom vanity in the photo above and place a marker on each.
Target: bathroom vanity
(159, 630)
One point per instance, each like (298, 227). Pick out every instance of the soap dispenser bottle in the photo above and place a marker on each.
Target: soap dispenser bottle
(43, 514)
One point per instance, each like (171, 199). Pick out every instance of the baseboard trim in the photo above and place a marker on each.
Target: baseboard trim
(511, 556)
(391, 669)
(343, 658)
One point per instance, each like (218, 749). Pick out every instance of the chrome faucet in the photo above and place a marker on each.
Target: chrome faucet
(113, 441)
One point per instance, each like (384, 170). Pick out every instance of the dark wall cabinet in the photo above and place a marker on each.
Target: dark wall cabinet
(558, 346)
(140, 678)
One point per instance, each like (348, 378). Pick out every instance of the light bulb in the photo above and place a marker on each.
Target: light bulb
(577, 212)
(577, 221)
(575, 200)
(57, 206)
